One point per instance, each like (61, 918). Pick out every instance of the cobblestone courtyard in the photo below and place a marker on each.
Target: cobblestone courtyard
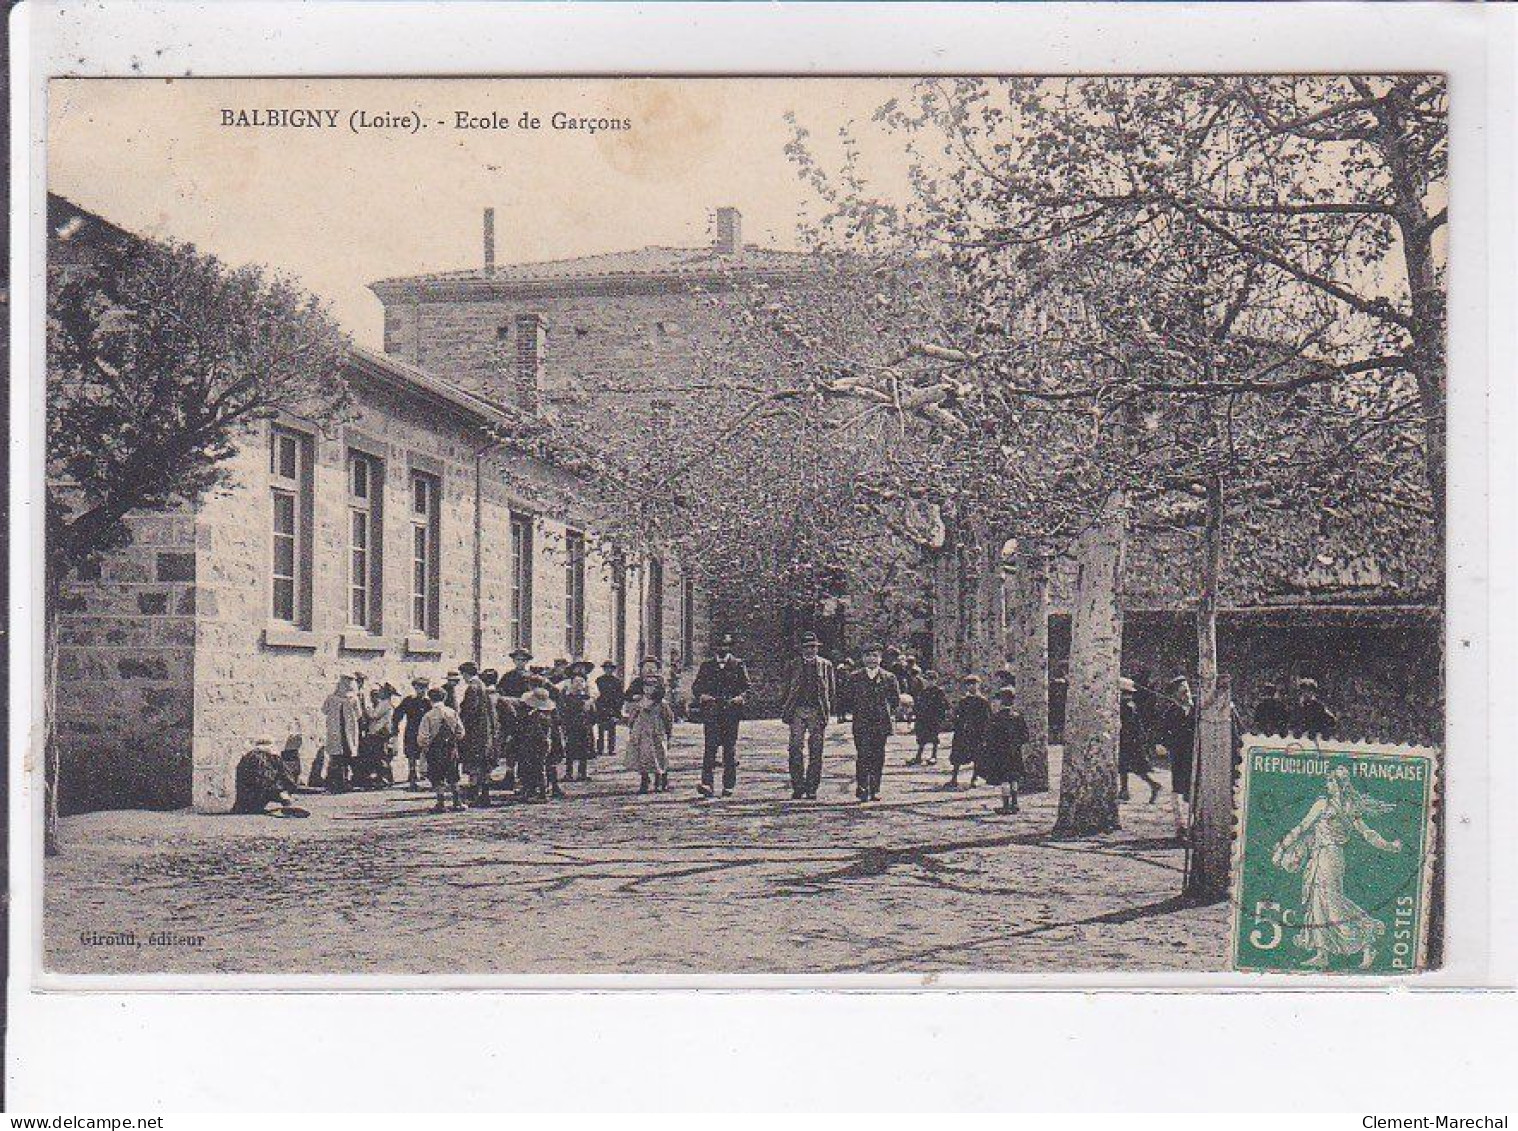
(607, 881)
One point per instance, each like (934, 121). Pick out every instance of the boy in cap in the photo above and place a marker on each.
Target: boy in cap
(535, 741)
(439, 738)
(610, 697)
(972, 719)
(407, 719)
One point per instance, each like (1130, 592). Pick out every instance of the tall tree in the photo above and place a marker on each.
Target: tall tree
(160, 358)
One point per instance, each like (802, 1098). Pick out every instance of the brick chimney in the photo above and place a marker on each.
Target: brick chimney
(531, 333)
(729, 232)
(490, 241)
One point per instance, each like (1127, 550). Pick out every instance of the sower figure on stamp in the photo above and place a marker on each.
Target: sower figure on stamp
(875, 697)
(720, 689)
(811, 689)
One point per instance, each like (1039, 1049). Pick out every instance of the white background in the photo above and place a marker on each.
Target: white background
(1386, 1050)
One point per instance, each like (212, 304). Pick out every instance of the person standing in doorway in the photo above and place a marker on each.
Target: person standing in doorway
(1272, 715)
(720, 690)
(811, 690)
(875, 695)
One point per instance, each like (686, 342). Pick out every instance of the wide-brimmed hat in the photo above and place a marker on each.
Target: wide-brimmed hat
(538, 699)
(469, 667)
(584, 667)
(263, 740)
(808, 639)
(421, 681)
(451, 677)
(520, 654)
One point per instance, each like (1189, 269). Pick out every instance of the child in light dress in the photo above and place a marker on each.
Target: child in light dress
(651, 723)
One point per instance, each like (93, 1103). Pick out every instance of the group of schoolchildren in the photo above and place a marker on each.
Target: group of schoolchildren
(526, 723)
(989, 733)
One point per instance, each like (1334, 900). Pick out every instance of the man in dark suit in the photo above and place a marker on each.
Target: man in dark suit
(477, 747)
(720, 690)
(811, 689)
(874, 697)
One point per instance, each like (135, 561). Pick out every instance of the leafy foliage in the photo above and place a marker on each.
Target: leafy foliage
(159, 357)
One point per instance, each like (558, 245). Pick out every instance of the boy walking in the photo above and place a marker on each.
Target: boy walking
(441, 732)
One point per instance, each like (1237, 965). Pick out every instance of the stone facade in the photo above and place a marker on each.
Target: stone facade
(173, 661)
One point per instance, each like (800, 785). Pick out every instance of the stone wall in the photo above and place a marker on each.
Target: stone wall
(125, 656)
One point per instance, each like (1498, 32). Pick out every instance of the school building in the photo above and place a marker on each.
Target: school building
(401, 539)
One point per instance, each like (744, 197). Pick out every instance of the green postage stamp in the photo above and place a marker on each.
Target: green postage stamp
(1332, 857)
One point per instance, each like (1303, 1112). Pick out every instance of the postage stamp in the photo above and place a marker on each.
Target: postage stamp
(1332, 857)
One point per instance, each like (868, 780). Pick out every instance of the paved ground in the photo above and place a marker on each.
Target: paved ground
(607, 881)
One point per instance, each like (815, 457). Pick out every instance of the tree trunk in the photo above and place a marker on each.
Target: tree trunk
(993, 610)
(1212, 754)
(1088, 775)
(1212, 787)
(1030, 600)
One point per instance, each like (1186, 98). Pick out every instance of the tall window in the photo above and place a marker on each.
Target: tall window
(687, 620)
(619, 611)
(290, 509)
(574, 593)
(425, 499)
(365, 488)
(521, 581)
(655, 607)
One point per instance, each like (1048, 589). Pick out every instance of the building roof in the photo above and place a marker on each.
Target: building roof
(644, 268)
(405, 377)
